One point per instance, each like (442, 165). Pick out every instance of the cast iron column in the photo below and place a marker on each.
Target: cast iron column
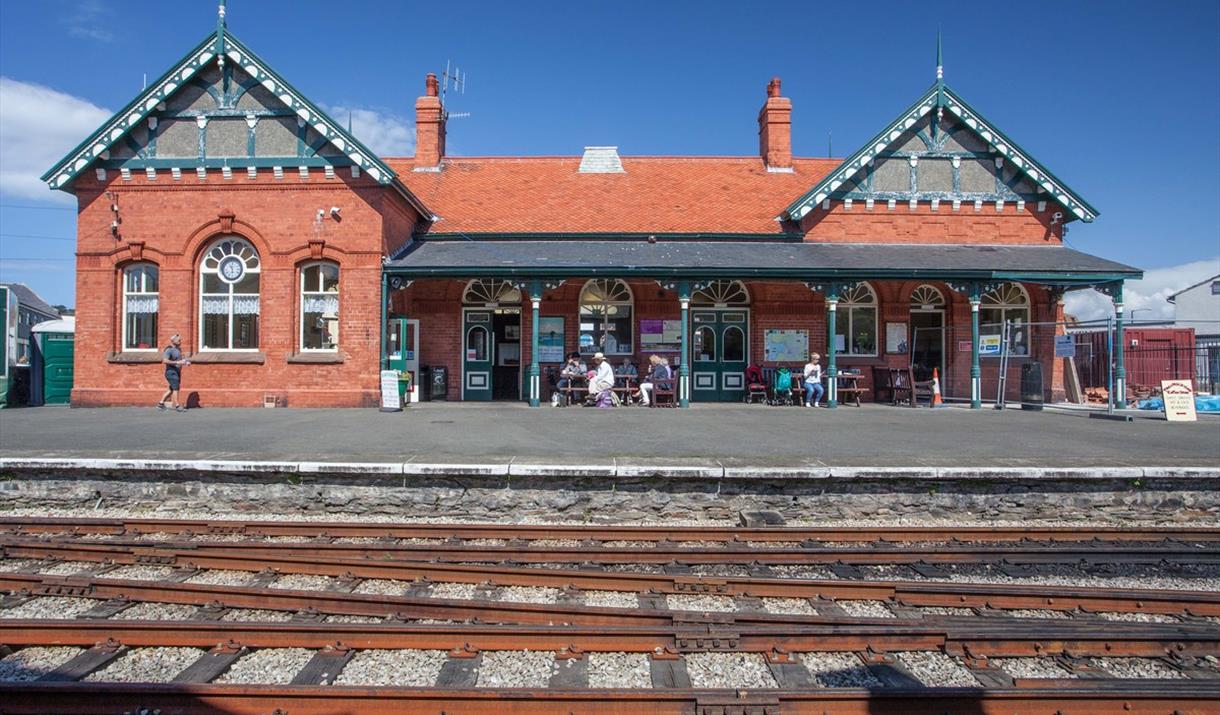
(535, 371)
(684, 367)
(976, 379)
(1120, 371)
(832, 379)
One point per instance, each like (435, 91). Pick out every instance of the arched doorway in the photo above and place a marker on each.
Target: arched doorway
(720, 347)
(927, 332)
(491, 340)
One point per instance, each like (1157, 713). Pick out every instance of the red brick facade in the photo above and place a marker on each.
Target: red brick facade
(172, 223)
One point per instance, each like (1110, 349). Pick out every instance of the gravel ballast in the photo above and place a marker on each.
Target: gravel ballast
(50, 607)
(619, 670)
(937, 670)
(1031, 667)
(792, 606)
(729, 670)
(838, 670)
(256, 615)
(1138, 668)
(150, 611)
(303, 582)
(146, 665)
(272, 666)
(399, 668)
(612, 599)
(866, 609)
(137, 572)
(221, 577)
(682, 602)
(34, 662)
(527, 594)
(515, 669)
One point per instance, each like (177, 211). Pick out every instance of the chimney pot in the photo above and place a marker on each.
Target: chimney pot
(431, 86)
(429, 127)
(775, 129)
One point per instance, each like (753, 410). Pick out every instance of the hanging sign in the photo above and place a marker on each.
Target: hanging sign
(1179, 397)
(1065, 346)
(390, 401)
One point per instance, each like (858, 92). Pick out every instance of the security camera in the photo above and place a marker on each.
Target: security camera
(334, 210)
(1057, 217)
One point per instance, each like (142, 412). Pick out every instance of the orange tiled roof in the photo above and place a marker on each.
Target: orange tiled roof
(654, 195)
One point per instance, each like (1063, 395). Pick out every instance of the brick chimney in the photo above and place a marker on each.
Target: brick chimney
(429, 127)
(775, 129)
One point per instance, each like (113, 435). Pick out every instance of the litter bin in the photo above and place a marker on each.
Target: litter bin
(424, 384)
(1031, 386)
(438, 380)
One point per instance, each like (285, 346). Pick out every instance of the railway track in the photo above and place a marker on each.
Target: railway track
(255, 617)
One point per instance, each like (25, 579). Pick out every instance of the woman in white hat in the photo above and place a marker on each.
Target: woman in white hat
(601, 385)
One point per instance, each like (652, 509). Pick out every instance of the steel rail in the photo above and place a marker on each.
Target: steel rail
(914, 593)
(602, 533)
(1085, 698)
(978, 637)
(414, 607)
(1020, 554)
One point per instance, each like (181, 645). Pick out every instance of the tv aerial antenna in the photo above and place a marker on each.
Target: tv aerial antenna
(457, 78)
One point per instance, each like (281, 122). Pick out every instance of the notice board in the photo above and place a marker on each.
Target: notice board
(786, 345)
(1179, 397)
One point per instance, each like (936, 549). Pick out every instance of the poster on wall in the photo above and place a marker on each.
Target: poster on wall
(896, 338)
(661, 335)
(989, 344)
(786, 345)
(550, 339)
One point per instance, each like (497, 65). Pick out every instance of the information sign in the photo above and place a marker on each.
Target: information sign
(786, 345)
(390, 401)
(1065, 346)
(989, 345)
(1179, 397)
(550, 339)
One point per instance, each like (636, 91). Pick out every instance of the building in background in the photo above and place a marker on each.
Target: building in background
(31, 310)
(224, 205)
(1198, 307)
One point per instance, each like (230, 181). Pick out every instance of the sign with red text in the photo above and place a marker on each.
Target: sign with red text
(1179, 397)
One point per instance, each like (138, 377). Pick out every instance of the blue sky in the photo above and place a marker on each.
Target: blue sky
(1120, 99)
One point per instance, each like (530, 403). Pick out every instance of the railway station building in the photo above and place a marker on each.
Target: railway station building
(296, 264)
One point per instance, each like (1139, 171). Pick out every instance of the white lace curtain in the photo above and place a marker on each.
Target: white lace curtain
(320, 303)
(219, 305)
(142, 304)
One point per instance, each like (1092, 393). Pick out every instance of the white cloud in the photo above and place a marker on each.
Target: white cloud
(38, 125)
(386, 133)
(1149, 295)
(90, 20)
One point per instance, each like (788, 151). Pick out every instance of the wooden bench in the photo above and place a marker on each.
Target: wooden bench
(850, 392)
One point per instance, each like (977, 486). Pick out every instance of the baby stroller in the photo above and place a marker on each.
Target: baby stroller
(781, 387)
(756, 385)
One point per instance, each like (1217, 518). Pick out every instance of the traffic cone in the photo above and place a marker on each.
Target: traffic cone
(936, 401)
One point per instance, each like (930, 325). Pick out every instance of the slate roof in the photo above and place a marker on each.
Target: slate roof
(28, 298)
(652, 195)
(749, 259)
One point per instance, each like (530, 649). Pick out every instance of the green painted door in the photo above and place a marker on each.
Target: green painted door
(57, 349)
(477, 347)
(720, 352)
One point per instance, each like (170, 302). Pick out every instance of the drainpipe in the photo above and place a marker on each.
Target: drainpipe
(976, 380)
(684, 368)
(535, 373)
(385, 296)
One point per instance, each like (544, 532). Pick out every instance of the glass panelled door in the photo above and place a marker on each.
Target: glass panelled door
(719, 354)
(477, 358)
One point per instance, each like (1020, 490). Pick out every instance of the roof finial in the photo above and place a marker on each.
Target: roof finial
(220, 33)
(940, 65)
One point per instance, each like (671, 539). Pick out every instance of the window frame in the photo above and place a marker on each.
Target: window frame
(599, 332)
(846, 317)
(123, 333)
(230, 295)
(303, 292)
(996, 296)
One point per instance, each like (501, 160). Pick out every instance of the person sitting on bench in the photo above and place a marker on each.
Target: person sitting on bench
(575, 368)
(601, 382)
(813, 381)
(658, 375)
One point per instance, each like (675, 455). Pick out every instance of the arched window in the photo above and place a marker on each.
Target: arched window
(141, 303)
(705, 344)
(734, 348)
(228, 296)
(856, 323)
(484, 292)
(721, 294)
(927, 297)
(605, 317)
(320, 307)
(1007, 303)
(476, 344)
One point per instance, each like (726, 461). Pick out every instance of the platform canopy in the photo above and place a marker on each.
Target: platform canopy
(742, 259)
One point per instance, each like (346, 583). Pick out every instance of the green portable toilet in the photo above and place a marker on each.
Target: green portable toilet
(51, 381)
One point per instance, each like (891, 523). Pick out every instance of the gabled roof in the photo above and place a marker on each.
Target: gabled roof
(220, 44)
(1192, 287)
(940, 96)
(661, 195)
(28, 298)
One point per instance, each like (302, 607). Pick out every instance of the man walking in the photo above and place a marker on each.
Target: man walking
(173, 362)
